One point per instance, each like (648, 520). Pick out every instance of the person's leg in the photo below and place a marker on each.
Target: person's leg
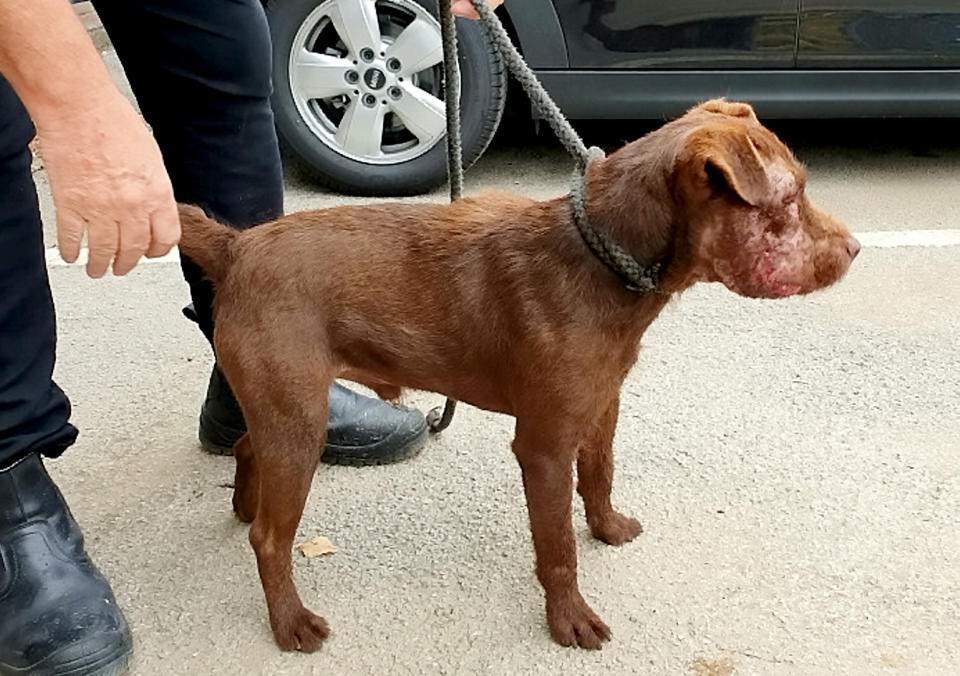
(46, 578)
(201, 74)
(34, 412)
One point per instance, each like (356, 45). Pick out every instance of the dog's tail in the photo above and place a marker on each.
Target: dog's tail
(207, 243)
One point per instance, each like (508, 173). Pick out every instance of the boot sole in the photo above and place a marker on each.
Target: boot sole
(353, 456)
(110, 663)
(371, 456)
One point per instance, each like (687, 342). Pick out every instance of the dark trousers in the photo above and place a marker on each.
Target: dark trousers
(200, 70)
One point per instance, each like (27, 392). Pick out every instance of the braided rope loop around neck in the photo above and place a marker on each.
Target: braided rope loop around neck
(637, 277)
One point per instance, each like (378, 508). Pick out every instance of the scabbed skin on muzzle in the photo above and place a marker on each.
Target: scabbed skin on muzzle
(760, 260)
(751, 224)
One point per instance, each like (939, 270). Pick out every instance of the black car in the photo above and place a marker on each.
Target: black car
(359, 93)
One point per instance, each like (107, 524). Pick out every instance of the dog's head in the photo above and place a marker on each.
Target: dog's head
(739, 195)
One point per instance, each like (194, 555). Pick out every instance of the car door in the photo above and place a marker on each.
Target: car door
(656, 34)
(879, 34)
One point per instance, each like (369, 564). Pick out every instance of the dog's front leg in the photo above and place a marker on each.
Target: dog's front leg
(546, 455)
(595, 480)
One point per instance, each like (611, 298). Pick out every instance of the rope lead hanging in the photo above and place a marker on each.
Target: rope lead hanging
(451, 91)
(545, 106)
(637, 277)
(439, 420)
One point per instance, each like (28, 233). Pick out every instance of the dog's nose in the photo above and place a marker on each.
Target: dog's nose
(853, 247)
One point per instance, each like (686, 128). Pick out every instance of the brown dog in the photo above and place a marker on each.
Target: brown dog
(496, 301)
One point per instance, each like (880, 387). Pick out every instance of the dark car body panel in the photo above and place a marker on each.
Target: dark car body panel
(791, 58)
(537, 30)
(640, 34)
(774, 93)
(879, 34)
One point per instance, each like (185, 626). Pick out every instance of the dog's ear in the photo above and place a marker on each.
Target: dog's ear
(724, 159)
(731, 108)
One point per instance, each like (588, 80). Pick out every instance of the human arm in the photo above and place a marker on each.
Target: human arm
(466, 9)
(106, 172)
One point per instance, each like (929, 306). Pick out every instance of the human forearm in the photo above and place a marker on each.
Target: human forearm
(106, 172)
(46, 56)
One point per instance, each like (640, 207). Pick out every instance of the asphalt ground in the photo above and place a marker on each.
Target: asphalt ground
(794, 462)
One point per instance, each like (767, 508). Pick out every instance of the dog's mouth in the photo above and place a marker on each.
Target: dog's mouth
(765, 276)
(758, 287)
(773, 278)
(774, 275)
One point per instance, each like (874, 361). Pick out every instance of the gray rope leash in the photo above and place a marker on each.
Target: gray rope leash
(542, 103)
(639, 278)
(451, 86)
(439, 420)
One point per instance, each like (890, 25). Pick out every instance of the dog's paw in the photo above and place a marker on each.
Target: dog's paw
(572, 622)
(303, 631)
(615, 528)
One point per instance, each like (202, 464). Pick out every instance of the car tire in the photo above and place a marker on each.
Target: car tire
(309, 128)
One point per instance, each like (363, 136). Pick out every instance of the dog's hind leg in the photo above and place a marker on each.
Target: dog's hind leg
(288, 449)
(284, 401)
(246, 482)
(545, 451)
(285, 478)
(595, 480)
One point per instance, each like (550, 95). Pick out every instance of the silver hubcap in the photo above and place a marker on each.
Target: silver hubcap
(366, 77)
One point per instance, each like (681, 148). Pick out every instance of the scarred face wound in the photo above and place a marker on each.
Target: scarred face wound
(768, 241)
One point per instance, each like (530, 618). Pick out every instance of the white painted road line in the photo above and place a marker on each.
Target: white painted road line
(878, 239)
(54, 260)
(895, 238)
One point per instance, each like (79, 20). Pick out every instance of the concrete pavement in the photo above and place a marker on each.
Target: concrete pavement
(795, 464)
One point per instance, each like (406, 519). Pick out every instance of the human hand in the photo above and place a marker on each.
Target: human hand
(107, 178)
(466, 9)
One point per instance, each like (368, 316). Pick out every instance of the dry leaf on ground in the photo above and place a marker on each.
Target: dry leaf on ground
(318, 546)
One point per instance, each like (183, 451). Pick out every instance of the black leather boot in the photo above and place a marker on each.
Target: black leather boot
(361, 430)
(57, 613)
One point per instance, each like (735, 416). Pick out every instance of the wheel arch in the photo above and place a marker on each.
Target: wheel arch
(539, 34)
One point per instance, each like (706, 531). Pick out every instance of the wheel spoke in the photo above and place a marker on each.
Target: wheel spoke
(361, 129)
(418, 47)
(423, 114)
(356, 24)
(319, 76)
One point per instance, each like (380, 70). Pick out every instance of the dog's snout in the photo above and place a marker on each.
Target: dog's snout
(853, 247)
